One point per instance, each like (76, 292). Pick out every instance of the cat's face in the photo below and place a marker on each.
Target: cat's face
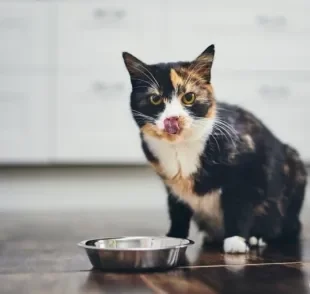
(173, 101)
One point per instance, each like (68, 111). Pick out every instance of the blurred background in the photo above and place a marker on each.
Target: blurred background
(61, 73)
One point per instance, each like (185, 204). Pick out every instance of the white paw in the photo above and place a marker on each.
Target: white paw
(261, 243)
(253, 241)
(235, 244)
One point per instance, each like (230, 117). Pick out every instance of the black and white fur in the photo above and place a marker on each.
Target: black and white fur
(247, 187)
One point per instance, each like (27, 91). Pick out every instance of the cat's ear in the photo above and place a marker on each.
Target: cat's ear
(205, 62)
(134, 66)
(207, 56)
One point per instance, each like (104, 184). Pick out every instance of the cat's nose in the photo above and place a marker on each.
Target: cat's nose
(171, 125)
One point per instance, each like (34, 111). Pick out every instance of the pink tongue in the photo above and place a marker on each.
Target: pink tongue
(171, 126)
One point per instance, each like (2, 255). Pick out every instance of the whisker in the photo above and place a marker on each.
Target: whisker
(147, 76)
(141, 115)
(140, 87)
(152, 80)
(222, 133)
(228, 126)
(152, 76)
(226, 132)
(223, 127)
(144, 116)
(150, 84)
(216, 142)
(220, 122)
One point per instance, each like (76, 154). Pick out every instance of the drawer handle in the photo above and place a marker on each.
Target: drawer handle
(102, 14)
(99, 87)
(271, 21)
(274, 92)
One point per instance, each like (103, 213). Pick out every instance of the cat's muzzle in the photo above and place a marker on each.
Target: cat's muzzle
(172, 125)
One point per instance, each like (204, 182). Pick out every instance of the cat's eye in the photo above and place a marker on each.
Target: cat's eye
(189, 98)
(155, 99)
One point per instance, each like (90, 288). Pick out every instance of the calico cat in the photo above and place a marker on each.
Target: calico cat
(221, 166)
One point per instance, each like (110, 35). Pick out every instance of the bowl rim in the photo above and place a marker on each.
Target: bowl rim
(83, 243)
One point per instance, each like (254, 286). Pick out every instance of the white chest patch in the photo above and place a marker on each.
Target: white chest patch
(183, 157)
(178, 162)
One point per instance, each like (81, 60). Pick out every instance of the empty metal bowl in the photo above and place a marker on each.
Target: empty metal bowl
(136, 253)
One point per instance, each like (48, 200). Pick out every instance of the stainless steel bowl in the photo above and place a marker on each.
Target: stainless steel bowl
(136, 253)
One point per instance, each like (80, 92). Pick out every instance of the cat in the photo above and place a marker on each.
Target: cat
(220, 165)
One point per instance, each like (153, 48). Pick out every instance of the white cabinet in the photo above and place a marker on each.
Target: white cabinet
(247, 52)
(24, 35)
(248, 35)
(94, 122)
(279, 99)
(25, 131)
(239, 17)
(93, 34)
(24, 119)
(64, 89)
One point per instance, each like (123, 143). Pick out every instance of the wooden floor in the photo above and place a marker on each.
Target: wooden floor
(38, 254)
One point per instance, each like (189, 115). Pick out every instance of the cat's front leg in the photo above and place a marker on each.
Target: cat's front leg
(238, 220)
(180, 216)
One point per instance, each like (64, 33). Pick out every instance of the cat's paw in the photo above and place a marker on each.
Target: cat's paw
(253, 241)
(261, 243)
(235, 244)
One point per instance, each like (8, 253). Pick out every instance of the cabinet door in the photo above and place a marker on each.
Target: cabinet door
(280, 99)
(24, 119)
(248, 35)
(24, 35)
(93, 34)
(240, 16)
(94, 120)
(246, 52)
